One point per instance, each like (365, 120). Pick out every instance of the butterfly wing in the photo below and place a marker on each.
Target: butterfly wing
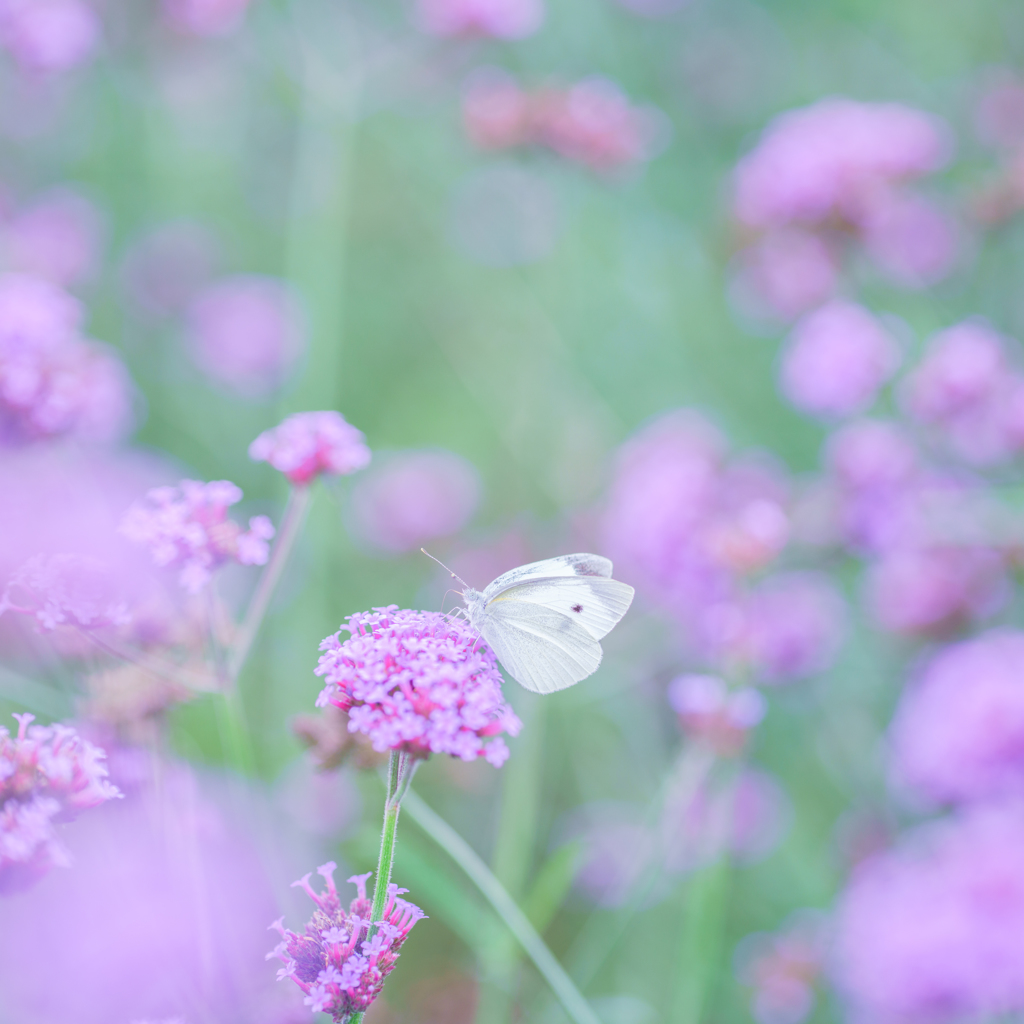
(542, 649)
(563, 565)
(594, 602)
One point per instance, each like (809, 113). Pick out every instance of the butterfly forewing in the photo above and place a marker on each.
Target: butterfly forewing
(594, 602)
(564, 565)
(540, 648)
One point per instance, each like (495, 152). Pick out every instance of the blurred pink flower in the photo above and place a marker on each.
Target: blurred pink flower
(246, 333)
(165, 268)
(52, 381)
(837, 359)
(618, 849)
(825, 160)
(710, 712)
(958, 734)
(502, 19)
(414, 497)
(47, 774)
(310, 443)
(334, 962)
(420, 682)
(933, 930)
(56, 237)
(49, 35)
(872, 454)
(205, 17)
(999, 112)
(784, 273)
(163, 914)
(187, 527)
(929, 590)
(497, 113)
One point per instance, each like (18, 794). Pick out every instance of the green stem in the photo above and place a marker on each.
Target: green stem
(291, 524)
(533, 945)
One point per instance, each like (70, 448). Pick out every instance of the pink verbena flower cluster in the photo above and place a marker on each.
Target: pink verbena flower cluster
(336, 962)
(591, 123)
(47, 774)
(65, 590)
(187, 527)
(310, 443)
(205, 17)
(499, 19)
(933, 930)
(49, 35)
(691, 528)
(420, 682)
(833, 176)
(54, 382)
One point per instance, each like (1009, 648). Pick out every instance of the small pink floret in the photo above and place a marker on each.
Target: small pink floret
(310, 443)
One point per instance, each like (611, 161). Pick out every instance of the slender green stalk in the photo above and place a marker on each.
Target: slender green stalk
(291, 524)
(466, 857)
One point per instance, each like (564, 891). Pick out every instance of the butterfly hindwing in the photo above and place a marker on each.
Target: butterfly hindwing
(595, 602)
(539, 647)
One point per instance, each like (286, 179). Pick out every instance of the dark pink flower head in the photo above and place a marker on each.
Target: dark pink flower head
(310, 443)
(187, 527)
(501, 19)
(47, 775)
(708, 711)
(928, 591)
(205, 17)
(822, 161)
(837, 359)
(52, 381)
(246, 332)
(57, 237)
(786, 272)
(49, 35)
(335, 962)
(933, 931)
(420, 682)
(415, 497)
(959, 732)
(65, 590)
(593, 123)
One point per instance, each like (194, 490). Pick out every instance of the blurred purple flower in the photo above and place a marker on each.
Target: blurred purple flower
(933, 930)
(47, 774)
(162, 915)
(999, 112)
(310, 443)
(246, 332)
(57, 237)
(52, 381)
(826, 160)
(205, 17)
(958, 734)
(837, 359)
(187, 527)
(930, 590)
(335, 962)
(618, 848)
(501, 19)
(710, 712)
(49, 35)
(415, 497)
(421, 682)
(784, 273)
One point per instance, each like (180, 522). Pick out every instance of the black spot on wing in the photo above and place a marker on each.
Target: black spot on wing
(577, 608)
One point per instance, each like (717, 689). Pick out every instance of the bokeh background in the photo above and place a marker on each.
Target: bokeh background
(510, 310)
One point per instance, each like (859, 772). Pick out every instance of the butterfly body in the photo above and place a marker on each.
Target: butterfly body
(545, 620)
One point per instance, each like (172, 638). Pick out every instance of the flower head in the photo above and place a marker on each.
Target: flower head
(187, 526)
(708, 711)
(205, 17)
(49, 35)
(47, 774)
(335, 962)
(310, 443)
(421, 682)
(501, 19)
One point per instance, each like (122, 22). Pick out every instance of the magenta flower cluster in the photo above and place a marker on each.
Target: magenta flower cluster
(47, 775)
(53, 382)
(310, 443)
(336, 962)
(420, 682)
(592, 122)
(187, 527)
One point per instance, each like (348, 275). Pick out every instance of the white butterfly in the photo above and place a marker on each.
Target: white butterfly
(545, 620)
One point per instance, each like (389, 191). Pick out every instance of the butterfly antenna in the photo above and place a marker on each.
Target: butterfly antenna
(453, 575)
